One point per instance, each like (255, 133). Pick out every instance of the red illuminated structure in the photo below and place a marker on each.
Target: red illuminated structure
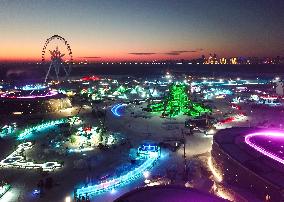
(90, 78)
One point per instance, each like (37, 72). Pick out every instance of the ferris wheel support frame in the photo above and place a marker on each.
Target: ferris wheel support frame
(55, 63)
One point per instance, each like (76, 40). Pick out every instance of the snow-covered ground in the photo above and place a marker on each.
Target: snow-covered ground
(138, 126)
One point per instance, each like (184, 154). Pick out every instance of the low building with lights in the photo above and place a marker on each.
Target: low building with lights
(251, 159)
(167, 194)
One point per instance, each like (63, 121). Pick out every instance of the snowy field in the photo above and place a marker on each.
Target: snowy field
(138, 126)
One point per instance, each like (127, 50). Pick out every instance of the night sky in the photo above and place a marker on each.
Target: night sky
(143, 29)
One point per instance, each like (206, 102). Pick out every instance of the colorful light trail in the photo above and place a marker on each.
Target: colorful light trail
(226, 122)
(150, 155)
(249, 139)
(28, 132)
(114, 183)
(115, 109)
(11, 96)
(17, 160)
(218, 177)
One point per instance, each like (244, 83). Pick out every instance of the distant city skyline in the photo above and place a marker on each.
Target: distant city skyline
(118, 30)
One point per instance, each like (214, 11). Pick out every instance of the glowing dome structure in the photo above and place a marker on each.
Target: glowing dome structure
(167, 194)
(32, 99)
(252, 159)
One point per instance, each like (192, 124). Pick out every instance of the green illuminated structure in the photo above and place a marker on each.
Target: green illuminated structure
(177, 102)
(121, 90)
(87, 91)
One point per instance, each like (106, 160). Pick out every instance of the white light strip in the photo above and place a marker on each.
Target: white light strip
(17, 160)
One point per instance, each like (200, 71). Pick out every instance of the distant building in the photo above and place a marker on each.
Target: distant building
(280, 88)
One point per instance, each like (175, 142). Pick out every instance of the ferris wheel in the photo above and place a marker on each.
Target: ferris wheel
(60, 62)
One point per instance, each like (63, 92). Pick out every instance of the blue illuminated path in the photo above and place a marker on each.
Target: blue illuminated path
(28, 132)
(115, 109)
(116, 182)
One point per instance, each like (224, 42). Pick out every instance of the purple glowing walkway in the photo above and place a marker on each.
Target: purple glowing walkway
(269, 143)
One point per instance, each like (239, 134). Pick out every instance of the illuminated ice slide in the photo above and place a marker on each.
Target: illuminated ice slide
(116, 182)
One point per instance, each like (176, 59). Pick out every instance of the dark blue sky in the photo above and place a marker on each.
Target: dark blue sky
(111, 29)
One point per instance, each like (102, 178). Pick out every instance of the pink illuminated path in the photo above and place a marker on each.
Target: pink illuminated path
(49, 94)
(269, 143)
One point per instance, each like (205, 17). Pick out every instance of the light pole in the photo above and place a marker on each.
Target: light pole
(184, 156)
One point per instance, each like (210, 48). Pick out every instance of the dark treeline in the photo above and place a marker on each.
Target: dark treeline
(37, 72)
